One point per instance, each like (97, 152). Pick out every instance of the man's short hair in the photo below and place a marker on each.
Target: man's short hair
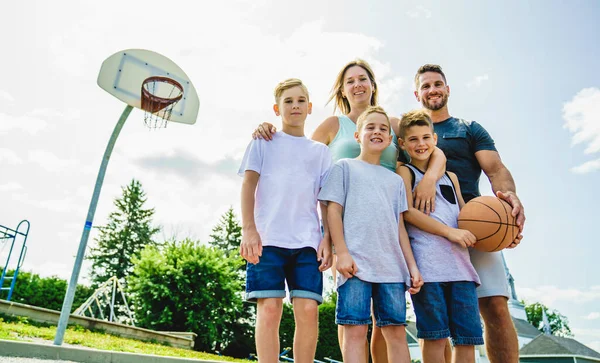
(287, 84)
(414, 118)
(429, 68)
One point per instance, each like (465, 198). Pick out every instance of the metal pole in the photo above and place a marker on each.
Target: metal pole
(68, 302)
(112, 300)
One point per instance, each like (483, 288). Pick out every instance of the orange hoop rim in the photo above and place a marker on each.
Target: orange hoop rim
(153, 103)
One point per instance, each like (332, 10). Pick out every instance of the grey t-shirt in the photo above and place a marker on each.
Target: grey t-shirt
(373, 198)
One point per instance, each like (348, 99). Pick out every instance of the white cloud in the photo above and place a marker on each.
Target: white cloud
(10, 187)
(50, 162)
(29, 124)
(550, 294)
(593, 316)
(418, 12)
(477, 81)
(582, 119)
(6, 97)
(587, 167)
(9, 157)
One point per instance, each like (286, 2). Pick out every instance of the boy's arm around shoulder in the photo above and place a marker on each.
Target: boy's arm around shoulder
(429, 224)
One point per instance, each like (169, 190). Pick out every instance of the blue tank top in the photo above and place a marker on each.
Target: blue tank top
(344, 146)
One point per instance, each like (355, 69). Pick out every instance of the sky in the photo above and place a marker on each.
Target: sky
(527, 71)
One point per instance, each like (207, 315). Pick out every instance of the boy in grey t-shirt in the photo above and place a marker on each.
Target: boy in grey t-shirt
(365, 203)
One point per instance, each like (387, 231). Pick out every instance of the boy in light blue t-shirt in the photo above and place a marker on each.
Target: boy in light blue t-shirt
(365, 203)
(281, 235)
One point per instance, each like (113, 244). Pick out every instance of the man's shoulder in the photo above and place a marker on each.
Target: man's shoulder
(461, 121)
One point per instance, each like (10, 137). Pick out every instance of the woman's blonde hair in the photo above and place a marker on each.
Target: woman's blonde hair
(336, 91)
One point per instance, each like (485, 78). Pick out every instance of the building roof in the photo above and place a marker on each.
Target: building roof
(525, 329)
(552, 345)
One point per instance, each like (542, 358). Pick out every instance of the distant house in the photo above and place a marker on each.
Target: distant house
(553, 349)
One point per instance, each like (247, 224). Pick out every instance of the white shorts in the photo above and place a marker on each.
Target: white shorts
(491, 271)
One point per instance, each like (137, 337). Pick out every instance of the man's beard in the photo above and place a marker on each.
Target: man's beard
(438, 106)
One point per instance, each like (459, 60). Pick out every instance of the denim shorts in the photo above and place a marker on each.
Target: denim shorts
(354, 303)
(448, 309)
(298, 267)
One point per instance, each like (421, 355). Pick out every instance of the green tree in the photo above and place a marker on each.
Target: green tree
(227, 234)
(128, 231)
(559, 324)
(187, 287)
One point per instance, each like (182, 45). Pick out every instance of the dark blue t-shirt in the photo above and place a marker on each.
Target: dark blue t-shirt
(459, 140)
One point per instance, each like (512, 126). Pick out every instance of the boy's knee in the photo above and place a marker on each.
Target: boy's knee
(394, 332)
(494, 309)
(306, 308)
(355, 332)
(270, 309)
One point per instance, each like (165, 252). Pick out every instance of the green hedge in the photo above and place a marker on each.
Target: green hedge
(327, 345)
(43, 292)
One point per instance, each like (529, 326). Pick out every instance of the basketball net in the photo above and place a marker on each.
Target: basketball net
(159, 96)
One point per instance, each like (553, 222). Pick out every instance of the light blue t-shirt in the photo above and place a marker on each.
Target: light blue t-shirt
(373, 199)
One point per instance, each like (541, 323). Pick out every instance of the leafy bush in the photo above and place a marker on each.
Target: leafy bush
(187, 287)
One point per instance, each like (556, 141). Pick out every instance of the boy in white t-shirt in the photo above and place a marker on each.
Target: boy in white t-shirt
(281, 235)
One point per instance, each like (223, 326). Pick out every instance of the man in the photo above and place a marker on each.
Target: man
(469, 149)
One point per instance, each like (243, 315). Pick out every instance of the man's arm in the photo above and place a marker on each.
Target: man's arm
(251, 246)
(424, 194)
(502, 182)
(345, 264)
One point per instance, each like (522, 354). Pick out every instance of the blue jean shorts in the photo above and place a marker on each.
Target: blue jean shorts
(448, 309)
(354, 303)
(298, 267)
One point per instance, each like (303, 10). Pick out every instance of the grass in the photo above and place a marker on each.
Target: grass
(21, 329)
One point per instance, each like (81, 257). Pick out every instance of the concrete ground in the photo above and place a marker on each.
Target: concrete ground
(28, 352)
(30, 360)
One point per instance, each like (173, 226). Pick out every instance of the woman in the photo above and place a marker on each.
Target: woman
(354, 90)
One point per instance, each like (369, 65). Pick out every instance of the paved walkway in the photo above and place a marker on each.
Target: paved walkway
(36, 353)
(31, 360)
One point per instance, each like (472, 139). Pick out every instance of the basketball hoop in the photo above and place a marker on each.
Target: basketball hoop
(159, 96)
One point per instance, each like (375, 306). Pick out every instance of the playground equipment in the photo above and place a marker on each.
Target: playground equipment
(13, 238)
(104, 297)
(155, 84)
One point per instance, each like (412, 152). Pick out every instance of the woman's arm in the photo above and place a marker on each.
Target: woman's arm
(327, 130)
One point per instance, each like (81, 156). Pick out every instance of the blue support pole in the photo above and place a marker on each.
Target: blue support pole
(68, 302)
(21, 257)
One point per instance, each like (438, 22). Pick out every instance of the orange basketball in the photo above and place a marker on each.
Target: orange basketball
(491, 221)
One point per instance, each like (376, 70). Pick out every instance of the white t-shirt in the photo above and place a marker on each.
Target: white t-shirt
(292, 170)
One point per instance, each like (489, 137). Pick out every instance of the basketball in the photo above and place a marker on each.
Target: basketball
(491, 221)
